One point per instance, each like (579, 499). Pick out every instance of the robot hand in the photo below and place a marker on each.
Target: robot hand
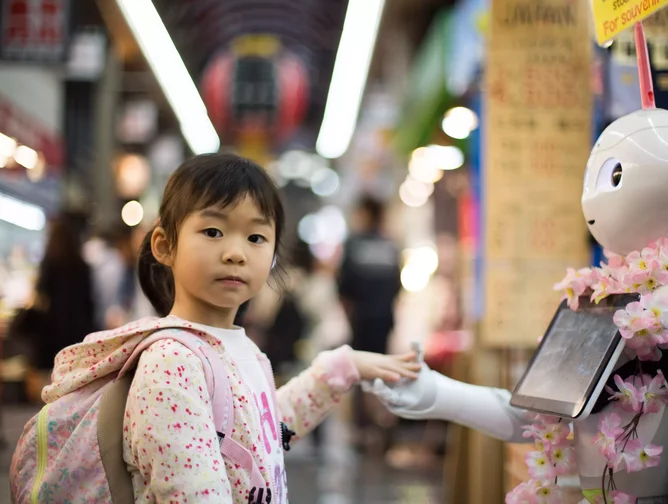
(436, 397)
(412, 399)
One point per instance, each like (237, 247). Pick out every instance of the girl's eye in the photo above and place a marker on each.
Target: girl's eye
(257, 239)
(212, 233)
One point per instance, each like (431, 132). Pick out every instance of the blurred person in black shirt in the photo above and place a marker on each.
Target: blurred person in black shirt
(63, 312)
(64, 292)
(368, 283)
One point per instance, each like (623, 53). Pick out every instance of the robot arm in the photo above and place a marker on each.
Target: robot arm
(434, 396)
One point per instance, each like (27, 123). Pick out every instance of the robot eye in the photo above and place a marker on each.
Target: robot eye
(616, 177)
(609, 176)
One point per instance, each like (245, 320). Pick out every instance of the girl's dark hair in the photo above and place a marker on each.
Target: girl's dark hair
(201, 182)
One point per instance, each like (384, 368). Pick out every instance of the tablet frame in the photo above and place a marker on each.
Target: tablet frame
(582, 409)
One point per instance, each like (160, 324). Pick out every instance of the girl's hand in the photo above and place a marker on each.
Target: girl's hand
(389, 368)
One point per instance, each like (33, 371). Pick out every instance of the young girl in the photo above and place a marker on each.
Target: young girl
(215, 246)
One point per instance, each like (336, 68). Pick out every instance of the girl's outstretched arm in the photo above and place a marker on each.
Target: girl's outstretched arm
(305, 400)
(170, 440)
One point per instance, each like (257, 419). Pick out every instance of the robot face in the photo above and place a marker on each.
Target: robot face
(625, 195)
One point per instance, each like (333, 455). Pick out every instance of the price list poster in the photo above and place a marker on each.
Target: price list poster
(538, 138)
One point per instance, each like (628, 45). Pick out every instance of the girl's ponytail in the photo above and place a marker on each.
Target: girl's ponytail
(156, 279)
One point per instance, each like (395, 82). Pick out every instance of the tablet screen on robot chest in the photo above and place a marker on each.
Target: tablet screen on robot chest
(574, 359)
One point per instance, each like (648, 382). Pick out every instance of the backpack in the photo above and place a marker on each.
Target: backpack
(72, 450)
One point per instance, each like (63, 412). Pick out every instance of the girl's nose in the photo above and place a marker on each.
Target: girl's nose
(234, 256)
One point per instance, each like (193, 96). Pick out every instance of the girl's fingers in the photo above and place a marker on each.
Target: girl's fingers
(389, 376)
(405, 371)
(408, 357)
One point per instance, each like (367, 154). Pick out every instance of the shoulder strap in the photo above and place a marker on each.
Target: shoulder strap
(110, 439)
(214, 372)
(113, 401)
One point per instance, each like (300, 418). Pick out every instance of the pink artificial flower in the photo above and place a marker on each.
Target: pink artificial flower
(609, 426)
(524, 493)
(574, 284)
(614, 260)
(621, 498)
(605, 286)
(629, 397)
(614, 497)
(633, 319)
(642, 261)
(549, 494)
(555, 433)
(540, 466)
(644, 343)
(563, 459)
(654, 392)
(546, 420)
(662, 245)
(616, 463)
(535, 430)
(547, 431)
(638, 456)
(655, 304)
(645, 281)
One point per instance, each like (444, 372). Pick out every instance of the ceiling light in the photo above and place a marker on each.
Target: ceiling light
(21, 214)
(132, 213)
(172, 74)
(459, 122)
(351, 67)
(26, 157)
(7, 146)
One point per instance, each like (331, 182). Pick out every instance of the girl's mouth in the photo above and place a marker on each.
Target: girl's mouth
(232, 281)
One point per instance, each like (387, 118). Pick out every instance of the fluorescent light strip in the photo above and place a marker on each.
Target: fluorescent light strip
(21, 214)
(174, 79)
(349, 76)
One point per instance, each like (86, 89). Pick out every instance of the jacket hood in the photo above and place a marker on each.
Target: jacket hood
(102, 354)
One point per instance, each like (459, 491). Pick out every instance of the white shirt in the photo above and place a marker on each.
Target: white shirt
(241, 351)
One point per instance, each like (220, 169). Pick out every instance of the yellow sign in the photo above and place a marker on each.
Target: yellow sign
(611, 17)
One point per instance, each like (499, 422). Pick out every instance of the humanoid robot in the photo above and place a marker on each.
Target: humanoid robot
(625, 204)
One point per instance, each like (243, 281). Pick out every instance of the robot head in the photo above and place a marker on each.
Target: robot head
(625, 195)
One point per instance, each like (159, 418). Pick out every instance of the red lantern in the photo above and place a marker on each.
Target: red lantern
(250, 93)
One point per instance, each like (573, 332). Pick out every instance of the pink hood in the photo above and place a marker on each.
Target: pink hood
(101, 355)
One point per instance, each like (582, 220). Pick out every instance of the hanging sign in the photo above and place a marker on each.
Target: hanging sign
(537, 140)
(612, 17)
(34, 30)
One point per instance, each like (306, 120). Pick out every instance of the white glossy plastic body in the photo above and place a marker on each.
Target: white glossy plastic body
(628, 216)
(488, 410)
(625, 211)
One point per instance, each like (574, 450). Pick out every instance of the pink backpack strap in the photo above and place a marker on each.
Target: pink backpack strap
(214, 372)
(220, 392)
(269, 375)
(242, 456)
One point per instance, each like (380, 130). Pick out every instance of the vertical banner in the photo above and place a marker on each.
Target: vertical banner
(537, 139)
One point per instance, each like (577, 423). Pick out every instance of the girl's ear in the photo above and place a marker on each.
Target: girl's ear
(161, 248)
(273, 262)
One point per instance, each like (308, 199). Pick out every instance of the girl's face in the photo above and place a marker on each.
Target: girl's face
(222, 259)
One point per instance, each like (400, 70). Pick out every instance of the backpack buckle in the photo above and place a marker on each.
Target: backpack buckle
(286, 436)
(263, 496)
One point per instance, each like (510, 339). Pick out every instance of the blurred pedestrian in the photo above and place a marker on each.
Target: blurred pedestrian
(369, 282)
